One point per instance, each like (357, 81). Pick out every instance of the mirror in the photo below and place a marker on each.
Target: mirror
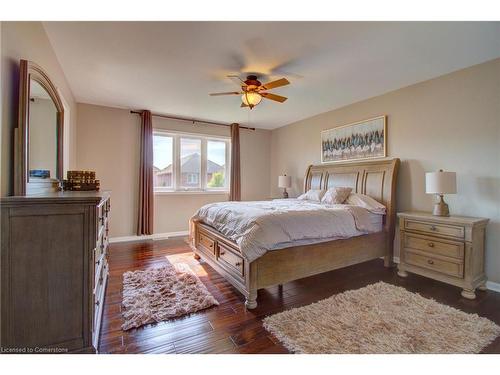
(39, 138)
(42, 135)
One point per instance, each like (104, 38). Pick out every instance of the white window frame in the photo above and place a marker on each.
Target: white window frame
(176, 163)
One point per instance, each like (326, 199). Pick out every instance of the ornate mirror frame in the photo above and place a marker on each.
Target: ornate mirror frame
(27, 71)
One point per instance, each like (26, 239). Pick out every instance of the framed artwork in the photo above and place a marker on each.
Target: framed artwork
(360, 140)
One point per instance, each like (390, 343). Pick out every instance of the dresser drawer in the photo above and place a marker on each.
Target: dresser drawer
(437, 229)
(435, 246)
(450, 268)
(230, 260)
(206, 242)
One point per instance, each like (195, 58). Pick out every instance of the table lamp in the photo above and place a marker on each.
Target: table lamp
(285, 182)
(441, 183)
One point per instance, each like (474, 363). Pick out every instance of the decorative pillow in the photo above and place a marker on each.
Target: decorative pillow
(312, 195)
(367, 202)
(336, 195)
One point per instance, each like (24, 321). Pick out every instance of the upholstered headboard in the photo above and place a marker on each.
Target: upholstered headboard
(374, 178)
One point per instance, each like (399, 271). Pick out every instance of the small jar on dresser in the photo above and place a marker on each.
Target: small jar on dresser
(54, 271)
(448, 249)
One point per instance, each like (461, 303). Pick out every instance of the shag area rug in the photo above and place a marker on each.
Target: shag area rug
(162, 293)
(380, 318)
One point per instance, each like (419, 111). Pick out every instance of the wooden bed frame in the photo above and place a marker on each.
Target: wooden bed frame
(374, 178)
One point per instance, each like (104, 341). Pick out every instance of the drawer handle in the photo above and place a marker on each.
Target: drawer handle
(430, 261)
(431, 244)
(97, 303)
(211, 245)
(433, 228)
(98, 262)
(222, 252)
(238, 264)
(101, 279)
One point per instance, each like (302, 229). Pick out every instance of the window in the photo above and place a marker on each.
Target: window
(163, 150)
(188, 162)
(216, 164)
(190, 165)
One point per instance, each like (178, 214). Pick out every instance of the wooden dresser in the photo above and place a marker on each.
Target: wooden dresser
(448, 249)
(54, 271)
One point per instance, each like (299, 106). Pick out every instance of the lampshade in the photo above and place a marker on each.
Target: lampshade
(285, 181)
(440, 182)
(251, 98)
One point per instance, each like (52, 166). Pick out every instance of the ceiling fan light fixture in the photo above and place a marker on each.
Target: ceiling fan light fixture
(251, 98)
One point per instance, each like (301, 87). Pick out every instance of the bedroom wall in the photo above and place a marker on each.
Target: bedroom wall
(108, 142)
(451, 122)
(28, 40)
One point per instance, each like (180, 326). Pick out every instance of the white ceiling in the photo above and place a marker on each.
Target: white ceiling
(170, 67)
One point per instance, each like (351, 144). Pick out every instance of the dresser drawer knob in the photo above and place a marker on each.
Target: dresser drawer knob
(238, 264)
(431, 244)
(97, 303)
(222, 252)
(430, 261)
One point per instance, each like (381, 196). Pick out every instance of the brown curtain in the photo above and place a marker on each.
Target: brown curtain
(145, 220)
(235, 189)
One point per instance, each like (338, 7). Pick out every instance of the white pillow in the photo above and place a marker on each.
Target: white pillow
(312, 195)
(367, 202)
(336, 195)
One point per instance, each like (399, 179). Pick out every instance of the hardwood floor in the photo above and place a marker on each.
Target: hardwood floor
(229, 328)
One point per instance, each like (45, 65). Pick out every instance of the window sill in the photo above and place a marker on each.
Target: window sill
(191, 192)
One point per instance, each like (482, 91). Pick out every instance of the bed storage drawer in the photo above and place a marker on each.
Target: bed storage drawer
(436, 229)
(230, 260)
(434, 245)
(206, 242)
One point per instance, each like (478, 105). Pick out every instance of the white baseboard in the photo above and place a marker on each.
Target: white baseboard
(493, 286)
(154, 237)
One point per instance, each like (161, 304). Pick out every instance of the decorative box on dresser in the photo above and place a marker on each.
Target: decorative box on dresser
(54, 271)
(448, 249)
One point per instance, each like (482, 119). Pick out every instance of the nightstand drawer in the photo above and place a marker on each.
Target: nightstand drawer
(437, 229)
(434, 246)
(450, 268)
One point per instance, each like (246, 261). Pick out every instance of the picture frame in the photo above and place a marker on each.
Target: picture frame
(365, 139)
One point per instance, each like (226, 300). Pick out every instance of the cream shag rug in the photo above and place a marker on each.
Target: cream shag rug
(380, 318)
(159, 294)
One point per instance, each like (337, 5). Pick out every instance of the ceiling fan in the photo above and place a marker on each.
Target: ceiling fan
(253, 90)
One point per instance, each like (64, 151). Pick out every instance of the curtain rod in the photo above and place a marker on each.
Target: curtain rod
(191, 120)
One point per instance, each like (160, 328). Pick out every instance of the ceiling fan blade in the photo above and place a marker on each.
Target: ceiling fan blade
(236, 79)
(225, 93)
(276, 98)
(274, 84)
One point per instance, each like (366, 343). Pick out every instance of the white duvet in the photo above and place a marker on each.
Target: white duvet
(261, 226)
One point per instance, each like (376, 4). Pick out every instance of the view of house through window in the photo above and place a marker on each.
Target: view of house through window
(163, 147)
(216, 164)
(189, 162)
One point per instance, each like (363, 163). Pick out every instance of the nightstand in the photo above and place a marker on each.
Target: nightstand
(448, 249)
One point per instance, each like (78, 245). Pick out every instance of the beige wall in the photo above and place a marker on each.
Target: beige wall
(108, 142)
(28, 40)
(451, 122)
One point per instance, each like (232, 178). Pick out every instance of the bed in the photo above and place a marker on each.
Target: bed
(249, 271)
